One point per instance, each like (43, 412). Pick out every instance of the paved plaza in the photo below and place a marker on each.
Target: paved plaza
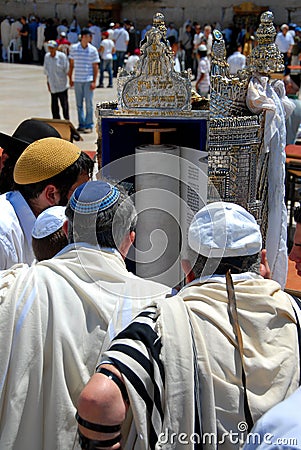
(24, 94)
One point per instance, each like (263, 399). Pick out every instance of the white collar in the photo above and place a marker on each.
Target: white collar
(222, 278)
(75, 245)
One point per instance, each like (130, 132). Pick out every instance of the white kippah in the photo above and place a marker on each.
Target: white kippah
(49, 221)
(222, 229)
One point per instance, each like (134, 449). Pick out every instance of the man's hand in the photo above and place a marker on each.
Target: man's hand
(265, 270)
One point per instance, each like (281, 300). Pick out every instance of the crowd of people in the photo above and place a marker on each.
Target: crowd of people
(34, 32)
(118, 46)
(92, 353)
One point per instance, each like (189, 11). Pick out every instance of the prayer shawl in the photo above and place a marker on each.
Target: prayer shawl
(53, 321)
(159, 380)
(270, 97)
(166, 396)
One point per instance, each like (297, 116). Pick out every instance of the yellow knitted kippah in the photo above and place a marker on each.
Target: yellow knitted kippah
(44, 159)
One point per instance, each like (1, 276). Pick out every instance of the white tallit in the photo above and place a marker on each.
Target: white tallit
(270, 342)
(53, 321)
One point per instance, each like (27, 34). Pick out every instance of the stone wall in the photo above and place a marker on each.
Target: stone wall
(141, 12)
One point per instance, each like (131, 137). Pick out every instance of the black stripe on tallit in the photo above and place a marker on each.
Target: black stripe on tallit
(148, 314)
(145, 334)
(147, 365)
(142, 392)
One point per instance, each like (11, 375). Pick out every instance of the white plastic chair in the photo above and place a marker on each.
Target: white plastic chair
(13, 49)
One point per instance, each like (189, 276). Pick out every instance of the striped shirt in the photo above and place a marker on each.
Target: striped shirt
(136, 353)
(83, 58)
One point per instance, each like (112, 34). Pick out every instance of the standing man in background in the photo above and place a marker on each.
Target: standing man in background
(285, 42)
(121, 39)
(33, 38)
(24, 34)
(41, 40)
(96, 34)
(56, 67)
(236, 61)
(202, 84)
(84, 60)
(5, 36)
(106, 50)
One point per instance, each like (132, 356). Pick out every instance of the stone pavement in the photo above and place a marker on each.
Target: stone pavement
(24, 94)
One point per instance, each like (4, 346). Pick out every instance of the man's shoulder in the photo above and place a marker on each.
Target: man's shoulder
(74, 48)
(124, 32)
(92, 50)
(62, 55)
(8, 213)
(9, 276)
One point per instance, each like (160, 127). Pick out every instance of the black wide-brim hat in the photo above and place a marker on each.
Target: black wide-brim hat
(27, 132)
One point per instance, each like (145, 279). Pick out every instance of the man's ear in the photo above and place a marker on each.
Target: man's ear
(132, 236)
(126, 243)
(186, 266)
(52, 195)
(65, 227)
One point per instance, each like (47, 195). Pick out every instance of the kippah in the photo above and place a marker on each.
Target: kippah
(44, 159)
(48, 222)
(223, 229)
(93, 196)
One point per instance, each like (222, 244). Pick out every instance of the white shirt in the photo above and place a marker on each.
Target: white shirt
(16, 223)
(197, 39)
(5, 32)
(236, 62)
(41, 35)
(131, 61)
(56, 68)
(111, 33)
(107, 46)
(204, 68)
(284, 42)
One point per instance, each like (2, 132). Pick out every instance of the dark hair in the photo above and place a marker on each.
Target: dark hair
(171, 40)
(106, 228)
(297, 215)
(6, 176)
(49, 246)
(62, 181)
(220, 266)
